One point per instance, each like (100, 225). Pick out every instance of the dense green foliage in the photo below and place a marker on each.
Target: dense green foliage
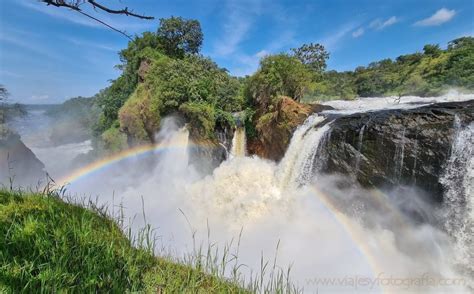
(193, 86)
(423, 74)
(180, 36)
(164, 74)
(279, 75)
(314, 56)
(50, 246)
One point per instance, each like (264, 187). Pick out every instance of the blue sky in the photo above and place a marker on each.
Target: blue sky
(49, 54)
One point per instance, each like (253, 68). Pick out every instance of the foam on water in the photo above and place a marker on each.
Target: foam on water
(458, 179)
(391, 102)
(321, 227)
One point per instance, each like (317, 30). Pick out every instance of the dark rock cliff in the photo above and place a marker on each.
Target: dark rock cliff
(17, 162)
(388, 148)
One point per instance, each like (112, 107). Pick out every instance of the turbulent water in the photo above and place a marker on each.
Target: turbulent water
(340, 239)
(459, 182)
(239, 143)
(392, 102)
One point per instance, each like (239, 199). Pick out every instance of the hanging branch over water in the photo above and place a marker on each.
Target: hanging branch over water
(76, 6)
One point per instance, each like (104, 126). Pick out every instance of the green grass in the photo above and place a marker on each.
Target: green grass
(49, 245)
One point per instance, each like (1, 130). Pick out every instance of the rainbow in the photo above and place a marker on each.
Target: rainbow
(107, 161)
(354, 231)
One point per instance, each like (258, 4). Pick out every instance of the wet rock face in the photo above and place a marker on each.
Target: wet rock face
(275, 129)
(388, 148)
(18, 162)
(206, 154)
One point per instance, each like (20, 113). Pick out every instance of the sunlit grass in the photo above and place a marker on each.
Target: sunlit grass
(51, 245)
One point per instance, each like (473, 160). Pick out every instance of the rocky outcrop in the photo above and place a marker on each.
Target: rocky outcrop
(275, 128)
(207, 154)
(17, 162)
(143, 70)
(385, 149)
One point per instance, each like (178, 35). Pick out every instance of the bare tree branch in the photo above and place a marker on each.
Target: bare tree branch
(121, 11)
(76, 6)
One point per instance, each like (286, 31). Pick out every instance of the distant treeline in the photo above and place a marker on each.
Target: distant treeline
(10, 111)
(422, 74)
(163, 73)
(73, 120)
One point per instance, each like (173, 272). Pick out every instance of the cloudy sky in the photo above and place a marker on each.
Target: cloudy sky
(49, 54)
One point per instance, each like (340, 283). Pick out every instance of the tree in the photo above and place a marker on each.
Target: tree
(460, 64)
(432, 50)
(312, 55)
(279, 75)
(193, 86)
(3, 93)
(461, 42)
(180, 36)
(76, 5)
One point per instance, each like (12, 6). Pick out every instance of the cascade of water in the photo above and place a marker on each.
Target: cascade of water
(359, 151)
(296, 167)
(239, 143)
(415, 159)
(458, 180)
(399, 157)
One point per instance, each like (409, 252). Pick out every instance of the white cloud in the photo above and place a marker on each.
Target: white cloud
(380, 24)
(331, 41)
(240, 18)
(357, 33)
(441, 16)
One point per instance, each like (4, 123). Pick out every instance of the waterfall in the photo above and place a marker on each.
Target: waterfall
(239, 143)
(458, 180)
(399, 157)
(359, 151)
(174, 158)
(297, 166)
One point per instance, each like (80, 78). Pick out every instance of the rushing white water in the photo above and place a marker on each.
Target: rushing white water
(320, 227)
(296, 167)
(323, 230)
(239, 143)
(391, 102)
(59, 159)
(458, 180)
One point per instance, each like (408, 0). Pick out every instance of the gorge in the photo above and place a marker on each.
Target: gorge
(240, 165)
(390, 184)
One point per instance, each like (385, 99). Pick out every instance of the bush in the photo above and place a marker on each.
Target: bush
(279, 75)
(201, 117)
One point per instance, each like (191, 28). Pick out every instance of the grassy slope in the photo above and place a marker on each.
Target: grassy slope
(54, 246)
